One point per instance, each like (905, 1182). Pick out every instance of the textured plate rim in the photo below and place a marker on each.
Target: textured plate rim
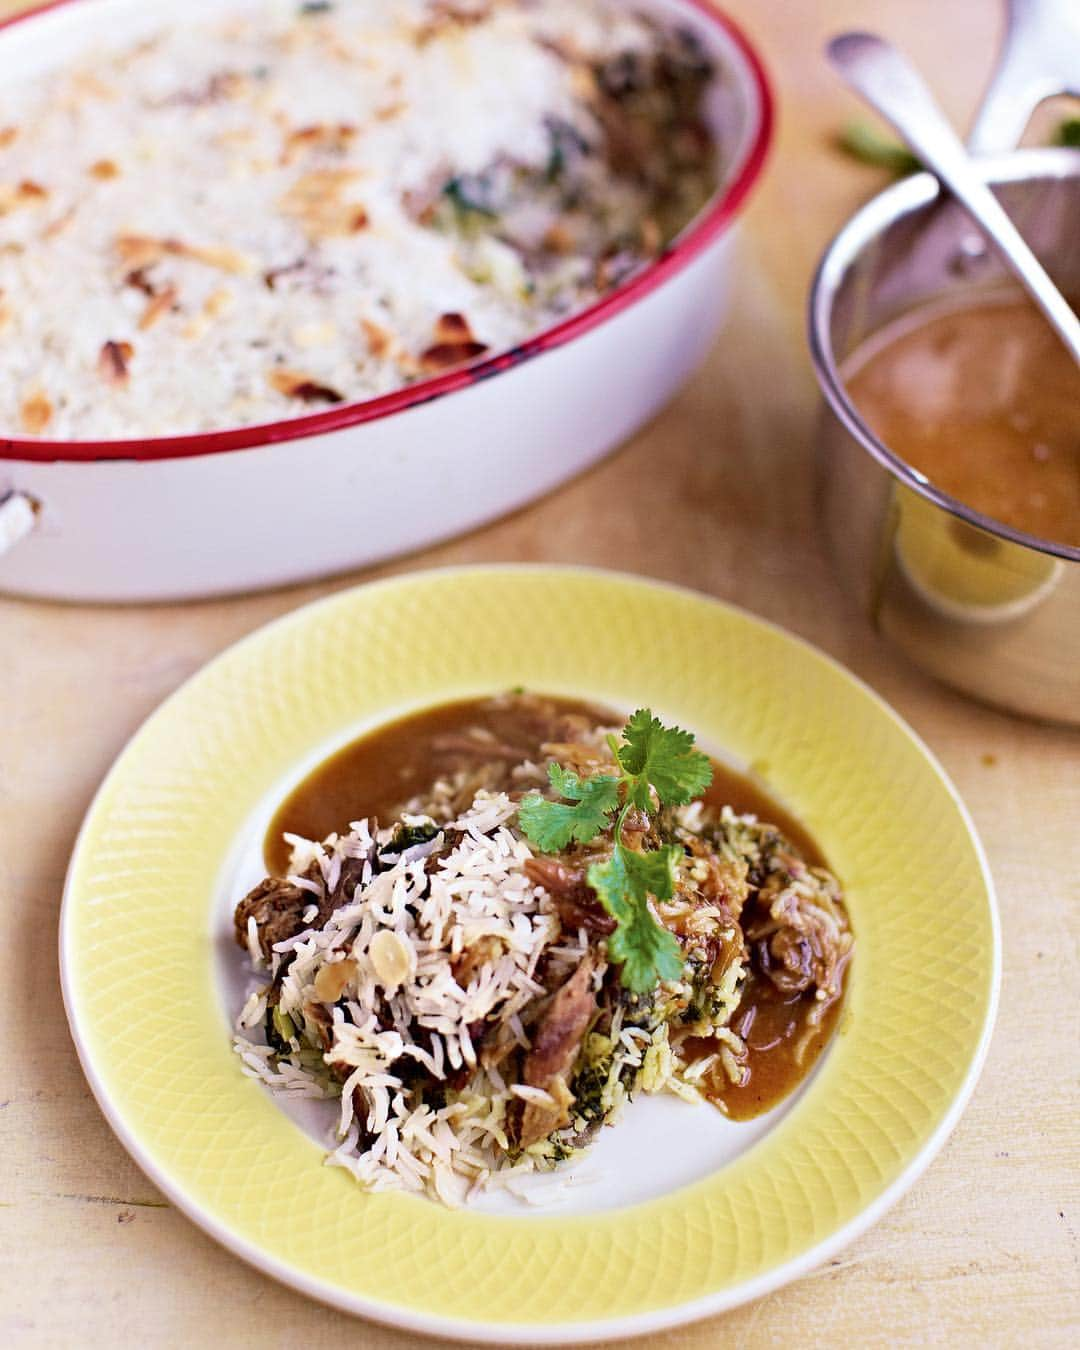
(531, 1333)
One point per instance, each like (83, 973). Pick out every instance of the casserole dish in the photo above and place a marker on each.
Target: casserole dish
(240, 508)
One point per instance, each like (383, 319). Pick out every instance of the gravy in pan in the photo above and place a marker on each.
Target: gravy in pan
(983, 400)
(375, 775)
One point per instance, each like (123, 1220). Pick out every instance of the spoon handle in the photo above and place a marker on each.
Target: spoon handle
(889, 83)
(1040, 56)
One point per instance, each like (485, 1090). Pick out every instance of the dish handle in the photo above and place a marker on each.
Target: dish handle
(18, 516)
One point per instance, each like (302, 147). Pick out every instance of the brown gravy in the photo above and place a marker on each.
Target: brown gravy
(984, 401)
(373, 775)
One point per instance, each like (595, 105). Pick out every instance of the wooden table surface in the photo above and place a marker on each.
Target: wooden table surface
(715, 494)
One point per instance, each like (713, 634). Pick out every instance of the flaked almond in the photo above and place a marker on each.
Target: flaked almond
(333, 979)
(445, 15)
(380, 340)
(35, 411)
(329, 136)
(484, 950)
(446, 355)
(138, 251)
(220, 256)
(295, 384)
(160, 303)
(453, 327)
(389, 959)
(7, 136)
(196, 327)
(317, 202)
(390, 111)
(24, 193)
(60, 224)
(85, 82)
(315, 187)
(218, 302)
(113, 361)
(104, 169)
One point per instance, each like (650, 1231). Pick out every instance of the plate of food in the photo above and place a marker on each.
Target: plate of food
(598, 953)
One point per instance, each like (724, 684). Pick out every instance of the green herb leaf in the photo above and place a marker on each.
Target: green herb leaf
(553, 825)
(647, 951)
(651, 758)
(864, 142)
(663, 757)
(1069, 132)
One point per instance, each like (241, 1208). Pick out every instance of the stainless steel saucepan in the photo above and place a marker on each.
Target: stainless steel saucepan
(983, 607)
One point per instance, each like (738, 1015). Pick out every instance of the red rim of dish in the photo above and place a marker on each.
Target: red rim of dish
(686, 247)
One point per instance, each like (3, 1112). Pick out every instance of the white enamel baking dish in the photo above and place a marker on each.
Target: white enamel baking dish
(238, 509)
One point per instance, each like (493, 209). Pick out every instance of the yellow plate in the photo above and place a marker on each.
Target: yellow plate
(144, 931)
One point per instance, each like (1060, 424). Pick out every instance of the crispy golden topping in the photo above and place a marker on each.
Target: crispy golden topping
(380, 340)
(445, 355)
(113, 361)
(389, 111)
(218, 302)
(446, 15)
(455, 343)
(36, 411)
(62, 221)
(138, 251)
(24, 193)
(318, 202)
(332, 137)
(295, 384)
(160, 303)
(453, 328)
(104, 169)
(84, 83)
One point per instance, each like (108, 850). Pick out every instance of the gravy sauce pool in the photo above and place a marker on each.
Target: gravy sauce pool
(376, 774)
(984, 400)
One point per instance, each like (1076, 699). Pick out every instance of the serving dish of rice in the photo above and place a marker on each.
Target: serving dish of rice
(325, 269)
(313, 204)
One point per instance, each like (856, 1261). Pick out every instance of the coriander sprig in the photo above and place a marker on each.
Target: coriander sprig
(654, 762)
(863, 141)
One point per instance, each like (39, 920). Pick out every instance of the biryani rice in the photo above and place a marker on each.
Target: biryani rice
(253, 215)
(427, 967)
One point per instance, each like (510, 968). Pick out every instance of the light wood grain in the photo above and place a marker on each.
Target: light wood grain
(715, 494)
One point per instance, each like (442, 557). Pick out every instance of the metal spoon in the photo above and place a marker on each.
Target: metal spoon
(1040, 57)
(889, 83)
